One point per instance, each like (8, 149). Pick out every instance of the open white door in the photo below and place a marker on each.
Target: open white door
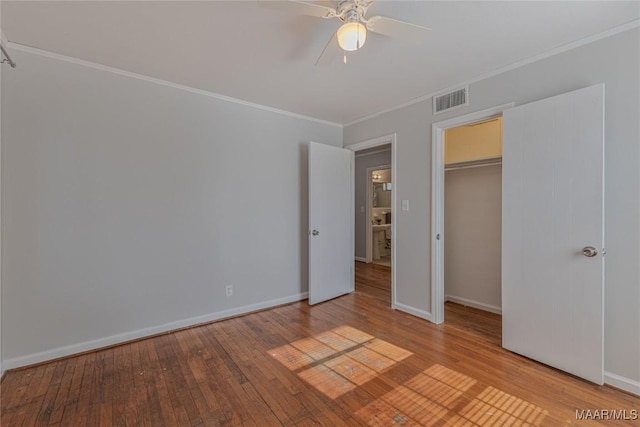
(553, 231)
(330, 222)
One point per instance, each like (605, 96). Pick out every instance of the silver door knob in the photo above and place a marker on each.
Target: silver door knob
(589, 251)
(315, 232)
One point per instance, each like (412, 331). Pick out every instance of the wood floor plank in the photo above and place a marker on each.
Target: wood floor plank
(89, 401)
(71, 410)
(103, 387)
(350, 361)
(53, 388)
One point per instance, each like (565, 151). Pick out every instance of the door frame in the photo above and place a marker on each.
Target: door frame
(369, 236)
(363, 145)
(437, 201)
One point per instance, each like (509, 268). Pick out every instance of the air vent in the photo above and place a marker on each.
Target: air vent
(450, 100)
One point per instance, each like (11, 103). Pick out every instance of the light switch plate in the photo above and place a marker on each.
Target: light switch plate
(405, 205)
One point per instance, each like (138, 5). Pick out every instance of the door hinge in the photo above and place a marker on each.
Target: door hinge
(438, 236)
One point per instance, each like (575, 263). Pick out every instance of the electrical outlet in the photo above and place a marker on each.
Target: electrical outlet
(229, 290)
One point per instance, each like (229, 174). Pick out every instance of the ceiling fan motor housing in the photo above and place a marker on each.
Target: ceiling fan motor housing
(352, 10)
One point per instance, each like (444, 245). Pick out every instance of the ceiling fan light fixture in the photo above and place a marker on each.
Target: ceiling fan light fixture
(351, 36)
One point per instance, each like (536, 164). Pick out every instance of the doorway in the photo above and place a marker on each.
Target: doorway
(374, 223)
(438, 223)
(378, 211)
(473, 215)
(473, 228)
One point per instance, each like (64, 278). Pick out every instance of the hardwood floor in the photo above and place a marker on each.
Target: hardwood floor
(482, 324)
(350, 361)
(374, 276)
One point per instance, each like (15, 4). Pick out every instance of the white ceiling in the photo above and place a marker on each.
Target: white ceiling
(266, 56)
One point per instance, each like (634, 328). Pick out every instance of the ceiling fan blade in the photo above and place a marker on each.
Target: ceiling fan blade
(300, 7)
(398, 29)
(331, 51)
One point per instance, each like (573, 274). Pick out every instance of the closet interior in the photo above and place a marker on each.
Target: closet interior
(473, 215)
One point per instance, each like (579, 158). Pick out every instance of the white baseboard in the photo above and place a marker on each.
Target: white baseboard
(474, 304)
(622, 383)
(360, 259)
(30, 359)
(412, 310)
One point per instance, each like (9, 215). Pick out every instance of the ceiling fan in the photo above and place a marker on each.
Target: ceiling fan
(352, 34)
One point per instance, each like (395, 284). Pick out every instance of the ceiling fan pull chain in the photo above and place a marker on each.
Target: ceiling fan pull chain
(345, 57)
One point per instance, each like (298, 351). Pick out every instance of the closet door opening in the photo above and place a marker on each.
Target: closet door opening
(472, 227)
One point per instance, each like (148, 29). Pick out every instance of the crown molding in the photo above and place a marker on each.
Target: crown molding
(555, 51)
(96, 66)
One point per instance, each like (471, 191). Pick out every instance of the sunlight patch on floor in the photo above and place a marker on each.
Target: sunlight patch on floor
(327, 381)
(371, 359)
(355, 372)
(391, 351)
(335, 341)
(493, 407)
(291, 357)
(337, 361)
(314, 348)
(423, 400)
(353, 334)
(442, 396)
(442, 385)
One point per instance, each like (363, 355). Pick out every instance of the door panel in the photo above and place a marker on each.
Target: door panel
(331, 216)
(553, 199)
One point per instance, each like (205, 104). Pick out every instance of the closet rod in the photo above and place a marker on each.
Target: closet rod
(454, 168)
(7, 58)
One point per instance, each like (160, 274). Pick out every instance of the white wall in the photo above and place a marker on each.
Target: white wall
(130, 205)
(613, 61)
(361, 164)
(1, 197)
(473, 236)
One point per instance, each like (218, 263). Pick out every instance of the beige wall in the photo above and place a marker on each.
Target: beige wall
(473, 142)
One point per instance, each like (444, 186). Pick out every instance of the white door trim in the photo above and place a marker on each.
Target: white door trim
(369, 203)
(370, 143)
(437, 201)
